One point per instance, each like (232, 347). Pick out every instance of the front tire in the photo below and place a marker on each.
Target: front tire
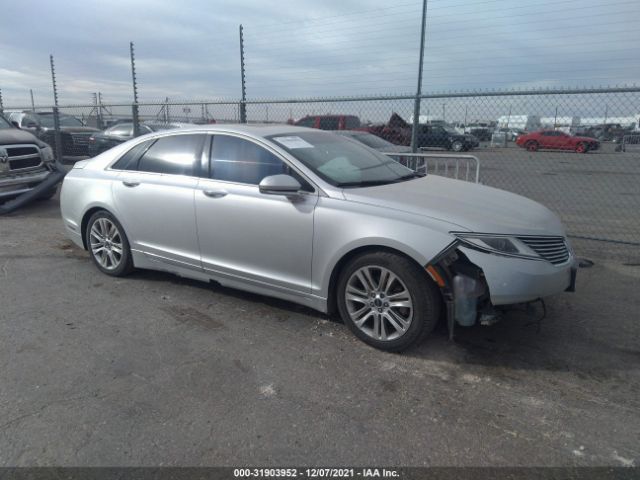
(531, 146)
(108, 245)
(387, 301)
(582, 148)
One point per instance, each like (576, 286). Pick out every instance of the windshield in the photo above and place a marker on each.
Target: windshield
(342, 162)
(372, 141)
(65, 121)
(450, 130)
(4, 123)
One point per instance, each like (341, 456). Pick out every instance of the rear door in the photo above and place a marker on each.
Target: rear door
(258, 238)
(155, 198)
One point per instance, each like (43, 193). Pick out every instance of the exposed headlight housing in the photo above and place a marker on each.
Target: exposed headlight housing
(47, 154)
(498, 244)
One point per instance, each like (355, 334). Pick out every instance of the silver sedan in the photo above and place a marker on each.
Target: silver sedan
(317, 219)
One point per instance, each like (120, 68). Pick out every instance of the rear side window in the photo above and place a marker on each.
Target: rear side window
(237, 160)
(129, 160)
(173, 155)
(329, 123)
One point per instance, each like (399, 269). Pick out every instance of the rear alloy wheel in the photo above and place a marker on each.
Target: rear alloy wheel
(532, 146)
(582, 148)
(457, 146)
(108, 245)
(387, 301)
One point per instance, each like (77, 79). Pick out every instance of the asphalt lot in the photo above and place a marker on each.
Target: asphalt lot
(596, 195)
(156, 370)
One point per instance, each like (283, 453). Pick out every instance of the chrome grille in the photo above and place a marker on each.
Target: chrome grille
(23, 157)
(552, 249)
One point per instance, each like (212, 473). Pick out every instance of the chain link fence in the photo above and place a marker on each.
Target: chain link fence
(596, 193)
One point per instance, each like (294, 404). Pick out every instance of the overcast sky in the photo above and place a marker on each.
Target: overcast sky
(189, 49)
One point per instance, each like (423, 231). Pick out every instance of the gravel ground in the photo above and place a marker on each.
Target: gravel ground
(156, 370)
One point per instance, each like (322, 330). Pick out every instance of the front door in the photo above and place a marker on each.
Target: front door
(246, 235)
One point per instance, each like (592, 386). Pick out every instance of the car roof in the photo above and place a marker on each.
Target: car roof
(255, 130)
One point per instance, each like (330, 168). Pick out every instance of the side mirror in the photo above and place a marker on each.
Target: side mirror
(279, 185)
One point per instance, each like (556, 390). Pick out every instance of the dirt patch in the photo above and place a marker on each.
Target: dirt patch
(192, 316)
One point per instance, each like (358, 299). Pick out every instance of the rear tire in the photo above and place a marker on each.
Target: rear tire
(108, 245)
(387, 301)
(531, 146)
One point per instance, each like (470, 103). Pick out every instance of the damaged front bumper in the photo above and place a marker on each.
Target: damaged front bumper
(476, 283)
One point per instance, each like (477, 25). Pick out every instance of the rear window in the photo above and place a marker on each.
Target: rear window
(129, 161)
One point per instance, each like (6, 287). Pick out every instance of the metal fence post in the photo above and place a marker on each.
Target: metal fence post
(416, 106)
(1, 106)
(243, 101)
(56, 113)
(134, 107)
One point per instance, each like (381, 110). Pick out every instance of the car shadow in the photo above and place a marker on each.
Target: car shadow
(517, 342)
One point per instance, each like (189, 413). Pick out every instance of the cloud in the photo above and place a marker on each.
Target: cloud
(190, 50)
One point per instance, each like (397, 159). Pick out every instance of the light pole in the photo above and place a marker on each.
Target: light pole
(416, 105)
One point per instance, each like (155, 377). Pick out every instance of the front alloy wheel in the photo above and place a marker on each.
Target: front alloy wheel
(387, 300)
(379, 303)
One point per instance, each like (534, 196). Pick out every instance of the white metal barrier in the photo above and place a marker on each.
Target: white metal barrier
(459, 167)
(632, 141)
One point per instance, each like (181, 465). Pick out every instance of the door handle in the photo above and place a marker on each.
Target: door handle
(130, 183)
(215, 193)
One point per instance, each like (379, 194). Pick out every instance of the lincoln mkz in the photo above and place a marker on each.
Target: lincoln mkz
(317, 219)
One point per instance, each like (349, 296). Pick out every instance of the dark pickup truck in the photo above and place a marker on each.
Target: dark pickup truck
(75, 135)
(25, 162)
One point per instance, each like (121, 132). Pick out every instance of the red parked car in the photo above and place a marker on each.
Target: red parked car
(330, 122)
(556, 140)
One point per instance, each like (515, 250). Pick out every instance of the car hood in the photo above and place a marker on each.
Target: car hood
(12, 136)
(468, 206)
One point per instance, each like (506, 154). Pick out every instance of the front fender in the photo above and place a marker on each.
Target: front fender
(341, 227)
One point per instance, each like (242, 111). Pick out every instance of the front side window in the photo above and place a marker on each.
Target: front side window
(237, 160)
(340, 161)
(173, 155)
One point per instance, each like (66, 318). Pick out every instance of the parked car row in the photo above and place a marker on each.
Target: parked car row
(121, 132)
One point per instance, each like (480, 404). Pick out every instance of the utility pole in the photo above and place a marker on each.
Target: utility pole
(134, 108)
(416, 106)
(33, 105)
(56, 113)
(243, 102)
